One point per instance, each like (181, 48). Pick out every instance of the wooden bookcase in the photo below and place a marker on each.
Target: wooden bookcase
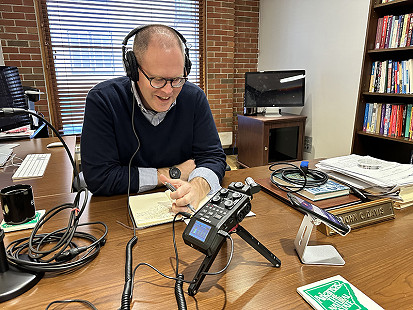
(377, 145)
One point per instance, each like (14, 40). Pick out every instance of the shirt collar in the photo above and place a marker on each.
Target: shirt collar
(155, 118)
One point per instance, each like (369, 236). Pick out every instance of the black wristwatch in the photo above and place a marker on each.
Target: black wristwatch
(174, 173)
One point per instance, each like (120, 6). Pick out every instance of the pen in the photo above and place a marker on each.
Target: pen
(173, 189)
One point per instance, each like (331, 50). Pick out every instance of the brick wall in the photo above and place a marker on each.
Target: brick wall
(232, 49)
(21, 45)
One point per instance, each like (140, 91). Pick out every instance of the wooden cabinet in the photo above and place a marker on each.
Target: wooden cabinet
(385, 146)
(262, 140)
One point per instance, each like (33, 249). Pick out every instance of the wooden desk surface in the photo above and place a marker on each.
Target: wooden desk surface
(59, 172)
(378, 261)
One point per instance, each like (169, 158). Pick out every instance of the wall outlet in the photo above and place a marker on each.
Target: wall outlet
(308, 144)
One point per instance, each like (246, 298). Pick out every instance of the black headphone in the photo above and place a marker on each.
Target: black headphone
(129, 59)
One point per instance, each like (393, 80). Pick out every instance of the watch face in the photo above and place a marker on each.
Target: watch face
(174, 173)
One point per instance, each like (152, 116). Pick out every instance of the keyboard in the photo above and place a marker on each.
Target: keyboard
(32, 166)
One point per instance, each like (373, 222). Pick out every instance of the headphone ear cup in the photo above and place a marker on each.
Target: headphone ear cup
(131, 66)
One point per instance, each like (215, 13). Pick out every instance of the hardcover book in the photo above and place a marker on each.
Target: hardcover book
(329, 189)
(336, 202)
(336, 293)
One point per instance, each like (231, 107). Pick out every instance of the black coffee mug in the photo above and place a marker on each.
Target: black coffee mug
(17, 203)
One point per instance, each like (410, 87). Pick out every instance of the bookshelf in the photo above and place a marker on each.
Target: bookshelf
(388, 146)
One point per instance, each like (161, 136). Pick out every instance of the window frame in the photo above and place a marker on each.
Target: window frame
(54, 101)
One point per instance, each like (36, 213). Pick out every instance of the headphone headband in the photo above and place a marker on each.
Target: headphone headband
(130, 62)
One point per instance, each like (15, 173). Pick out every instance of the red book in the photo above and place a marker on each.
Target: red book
(408, 17)
(378, 32)
(388, 31)
(393, 118)
(399, 120)
(409, 34)
(383, 32)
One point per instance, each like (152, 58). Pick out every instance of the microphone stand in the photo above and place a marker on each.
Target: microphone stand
(15, 281)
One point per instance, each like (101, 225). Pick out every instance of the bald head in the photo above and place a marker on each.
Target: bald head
(159, 36)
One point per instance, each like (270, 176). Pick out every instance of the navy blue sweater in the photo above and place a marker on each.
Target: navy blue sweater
(108, 142)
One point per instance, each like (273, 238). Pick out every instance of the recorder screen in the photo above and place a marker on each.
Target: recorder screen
(200, 231)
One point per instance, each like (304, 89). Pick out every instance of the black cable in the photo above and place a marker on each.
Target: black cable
(62, 253)
(310, 177)
(179, 292)
(128, 287)
(129, 275)
(67, 301)
(227, 235)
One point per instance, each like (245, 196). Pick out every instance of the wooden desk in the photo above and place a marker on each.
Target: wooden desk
(378, 261)
(59, 172)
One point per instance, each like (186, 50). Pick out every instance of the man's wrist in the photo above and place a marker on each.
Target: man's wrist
(201, 185)
(164, 171)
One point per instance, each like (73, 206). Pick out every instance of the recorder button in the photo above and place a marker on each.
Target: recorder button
(228, 204)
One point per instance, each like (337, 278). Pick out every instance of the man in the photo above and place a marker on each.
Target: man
(158, 122)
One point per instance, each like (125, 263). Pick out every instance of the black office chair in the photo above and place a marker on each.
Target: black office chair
(78, 182)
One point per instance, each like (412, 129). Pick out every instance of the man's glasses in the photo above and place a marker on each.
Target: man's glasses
(159, 82)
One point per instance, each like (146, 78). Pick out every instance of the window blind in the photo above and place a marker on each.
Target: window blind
(83, 41)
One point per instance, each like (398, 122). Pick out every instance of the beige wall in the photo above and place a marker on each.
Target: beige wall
(326, 38)
(1, 56)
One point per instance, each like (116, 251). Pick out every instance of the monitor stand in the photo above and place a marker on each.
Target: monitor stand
(315, 254)
(272, 112)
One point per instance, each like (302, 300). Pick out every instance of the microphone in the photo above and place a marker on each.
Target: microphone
(22, 273)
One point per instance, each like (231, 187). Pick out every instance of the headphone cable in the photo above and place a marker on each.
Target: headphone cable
(296, 178)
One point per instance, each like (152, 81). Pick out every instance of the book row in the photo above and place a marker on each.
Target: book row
(394, 120)
(392, 76)
(394, 31)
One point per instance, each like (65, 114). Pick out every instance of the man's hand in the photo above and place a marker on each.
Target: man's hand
(187, 192)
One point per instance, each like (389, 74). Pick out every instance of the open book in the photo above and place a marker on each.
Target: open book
(154, 209)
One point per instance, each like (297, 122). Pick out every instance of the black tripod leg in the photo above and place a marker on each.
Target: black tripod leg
(199, 276)
(247, 237)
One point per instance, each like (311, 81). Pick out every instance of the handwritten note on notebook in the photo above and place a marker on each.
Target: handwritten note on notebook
(151, 209)
(154, 209)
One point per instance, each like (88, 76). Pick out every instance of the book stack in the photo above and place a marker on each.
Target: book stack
(402, 199)
(394, 31)
(392, 77)
(376, 177)
(330, 189)
(387, 119)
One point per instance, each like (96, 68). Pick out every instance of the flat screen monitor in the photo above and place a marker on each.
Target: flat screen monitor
(274, 89)
(12, 96)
